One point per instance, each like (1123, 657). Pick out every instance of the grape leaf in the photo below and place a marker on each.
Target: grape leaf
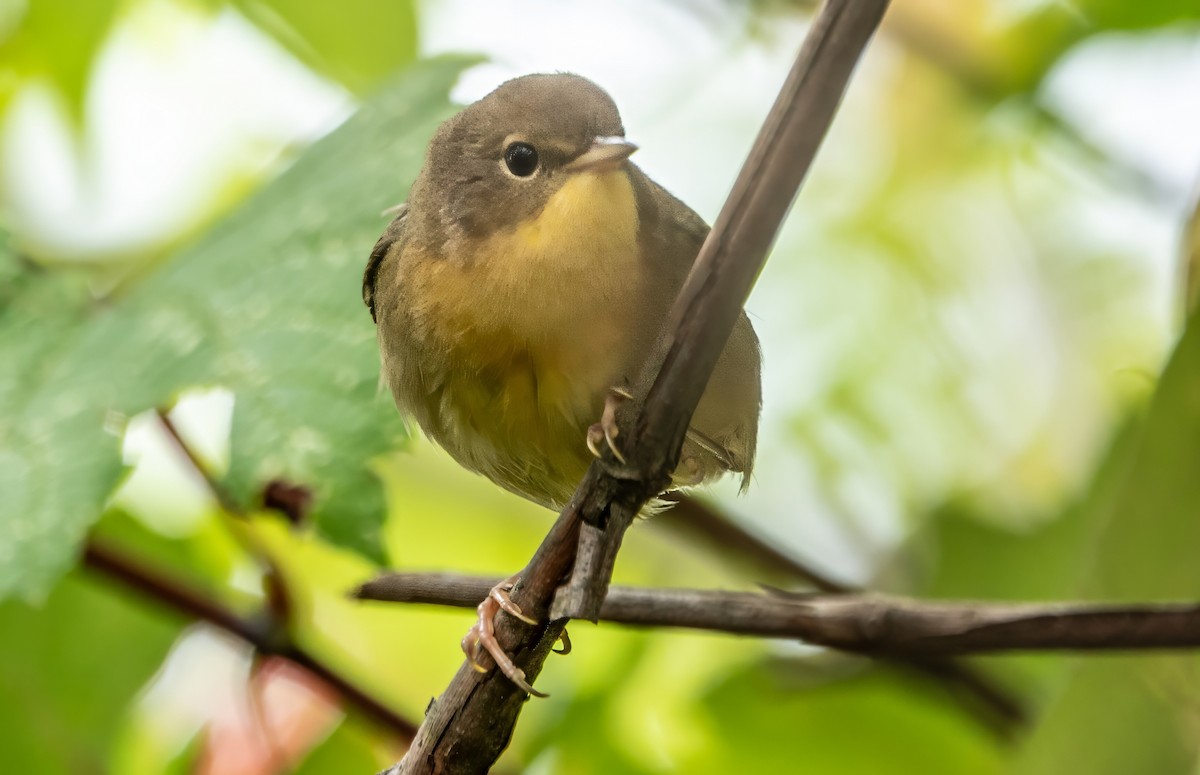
(266, 304)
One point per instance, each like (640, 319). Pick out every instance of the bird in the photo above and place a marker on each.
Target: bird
(519, 291)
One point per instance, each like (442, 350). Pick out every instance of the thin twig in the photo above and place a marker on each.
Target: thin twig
(696, 519)
(262, 632)
(468, 727)
(224, 499)
(279, 597)
(861, 623)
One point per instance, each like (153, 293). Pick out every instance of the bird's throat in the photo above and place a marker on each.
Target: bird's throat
(567, 267)
(591, 219)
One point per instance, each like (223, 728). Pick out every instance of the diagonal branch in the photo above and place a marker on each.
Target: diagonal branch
(695, 519)
(471, 723)
(279, 598)
(263, 633)
(862, 623)
(222, 496)
(712, 297)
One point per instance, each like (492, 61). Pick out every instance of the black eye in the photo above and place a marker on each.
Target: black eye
(521, 158)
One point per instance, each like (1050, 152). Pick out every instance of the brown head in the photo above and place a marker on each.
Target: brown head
(498, 162)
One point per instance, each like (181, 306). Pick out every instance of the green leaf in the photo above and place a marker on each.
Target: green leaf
(70, 670)
(1031, 48)
(57, 40)
(1108, 15)
(981, 560)
(1136, 713)
(57, 463)
(267, 304)
(356, 42)
(1191, 261)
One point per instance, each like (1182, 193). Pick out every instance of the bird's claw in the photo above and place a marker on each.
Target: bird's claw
(607, 429)
(482, 636)
(500, 594)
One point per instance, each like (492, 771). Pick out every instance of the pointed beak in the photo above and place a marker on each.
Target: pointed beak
(604, 155)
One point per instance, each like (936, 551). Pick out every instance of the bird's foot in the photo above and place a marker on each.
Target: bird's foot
(606, 430)
(482, 636)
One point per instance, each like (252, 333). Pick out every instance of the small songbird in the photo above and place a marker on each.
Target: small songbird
(521, 288)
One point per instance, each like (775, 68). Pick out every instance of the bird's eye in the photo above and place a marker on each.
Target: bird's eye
(521, 159)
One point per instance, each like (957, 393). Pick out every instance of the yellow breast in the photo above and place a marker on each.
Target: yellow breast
(534, 324)
(579, 254)
(551, 292)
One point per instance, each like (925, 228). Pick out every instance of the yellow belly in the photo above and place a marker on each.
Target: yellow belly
(534, 324)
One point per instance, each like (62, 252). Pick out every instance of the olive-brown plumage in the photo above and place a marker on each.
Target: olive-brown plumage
(528, 275)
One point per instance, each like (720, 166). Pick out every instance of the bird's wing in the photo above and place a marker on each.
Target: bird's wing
(712, 447)
(391, 235)
(675, 232)
(725, 424)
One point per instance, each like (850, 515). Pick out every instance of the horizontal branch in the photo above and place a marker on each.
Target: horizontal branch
(864, 623)
(997, 707)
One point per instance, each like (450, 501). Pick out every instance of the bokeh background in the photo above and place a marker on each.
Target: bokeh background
(965, 322)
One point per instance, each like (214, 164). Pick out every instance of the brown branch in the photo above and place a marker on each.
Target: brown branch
(227, 502)
(862, 623)
(466, 729)
(694, 518)
(992, 704)
(279, 598)
(263, 632)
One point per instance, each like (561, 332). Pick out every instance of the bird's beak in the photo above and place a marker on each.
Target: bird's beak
(605, 154)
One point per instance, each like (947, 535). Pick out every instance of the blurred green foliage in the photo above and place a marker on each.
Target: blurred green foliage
(265, 304)
(70, 670)
(356, 42)
(346, 750)
(1001, 50)
(1139, 712)
(55, 41)
(1031, 46)
(1130, 538)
